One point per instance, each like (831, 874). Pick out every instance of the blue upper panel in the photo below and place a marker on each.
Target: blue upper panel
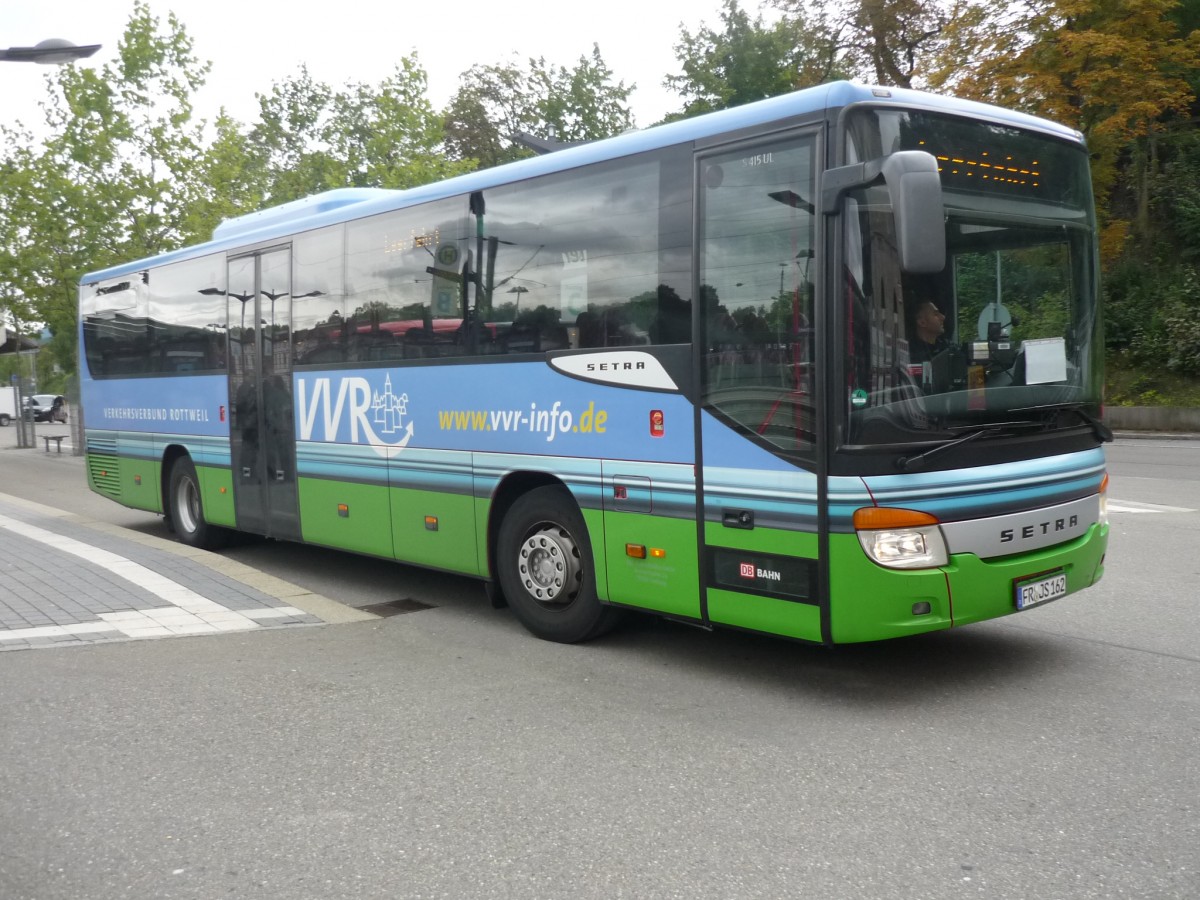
(352, 203)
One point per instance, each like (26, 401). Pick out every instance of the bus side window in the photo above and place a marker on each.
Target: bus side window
(585, 259)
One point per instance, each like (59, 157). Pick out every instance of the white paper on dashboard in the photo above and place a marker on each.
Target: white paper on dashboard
(1045, 360)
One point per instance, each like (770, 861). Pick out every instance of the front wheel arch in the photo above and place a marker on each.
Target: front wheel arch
(546, 567)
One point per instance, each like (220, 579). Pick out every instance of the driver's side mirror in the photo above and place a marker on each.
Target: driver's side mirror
(915, 188)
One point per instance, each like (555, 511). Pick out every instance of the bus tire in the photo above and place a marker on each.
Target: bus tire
(545, 565)
(4, 419)
(187, 509)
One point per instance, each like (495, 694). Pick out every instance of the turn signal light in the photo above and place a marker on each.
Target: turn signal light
(883, 517)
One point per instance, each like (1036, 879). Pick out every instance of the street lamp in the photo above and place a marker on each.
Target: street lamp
(53, 51)
(518, 290)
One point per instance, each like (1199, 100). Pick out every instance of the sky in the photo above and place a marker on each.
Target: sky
(253, 44)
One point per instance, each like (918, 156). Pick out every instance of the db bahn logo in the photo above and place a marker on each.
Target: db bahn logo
(754, 573)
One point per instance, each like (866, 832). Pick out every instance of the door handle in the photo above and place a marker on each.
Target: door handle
(737, 518)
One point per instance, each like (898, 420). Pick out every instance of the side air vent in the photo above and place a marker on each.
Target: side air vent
(104, 470)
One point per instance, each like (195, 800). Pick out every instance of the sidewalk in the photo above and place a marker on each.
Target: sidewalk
(67, 580)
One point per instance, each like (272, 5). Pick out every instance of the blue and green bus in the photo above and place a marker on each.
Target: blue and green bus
(827, 366)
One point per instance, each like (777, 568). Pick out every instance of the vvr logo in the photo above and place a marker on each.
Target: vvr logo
(352, 411)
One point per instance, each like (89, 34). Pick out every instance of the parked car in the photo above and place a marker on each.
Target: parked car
(46, 408)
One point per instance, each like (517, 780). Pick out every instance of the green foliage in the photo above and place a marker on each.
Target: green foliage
(885, 42)
(491, 105)
(1154, 317)
(312, 138)
(494, 103)
(110, 183)
(1175, 195)
(748, 60)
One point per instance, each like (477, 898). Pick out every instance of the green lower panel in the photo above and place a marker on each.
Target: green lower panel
(449, 543)
(766, 614)
(984, 589)
(364, 526)
(800, 544)
(140, 480)
(216, 492)
(666, 583)
(871, 603)
(753, 611)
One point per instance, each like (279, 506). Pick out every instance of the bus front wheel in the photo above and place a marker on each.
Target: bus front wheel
(544, 562)
(187, 510)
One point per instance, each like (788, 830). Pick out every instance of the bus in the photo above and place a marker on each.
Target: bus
(826, 366)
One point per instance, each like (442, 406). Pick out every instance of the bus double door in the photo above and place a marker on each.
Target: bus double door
(261, 425)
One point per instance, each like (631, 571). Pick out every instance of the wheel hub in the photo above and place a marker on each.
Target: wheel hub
(549, 566)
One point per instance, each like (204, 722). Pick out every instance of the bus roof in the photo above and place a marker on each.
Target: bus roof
(344, 204)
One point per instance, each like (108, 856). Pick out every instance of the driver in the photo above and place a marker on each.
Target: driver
(930, 333)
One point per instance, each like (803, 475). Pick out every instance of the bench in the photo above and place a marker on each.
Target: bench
(57, 438)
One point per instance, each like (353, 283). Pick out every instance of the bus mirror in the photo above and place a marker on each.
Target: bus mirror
(915, 189)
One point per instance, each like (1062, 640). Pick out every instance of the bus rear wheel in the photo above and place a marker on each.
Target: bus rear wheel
(544, 562)
(187, 509)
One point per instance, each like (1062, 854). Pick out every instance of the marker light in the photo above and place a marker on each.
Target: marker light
(900, 538)
(1103, 519)
(657, 423)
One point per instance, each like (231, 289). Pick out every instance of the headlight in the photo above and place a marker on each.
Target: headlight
(901, 538)
(1103, 518)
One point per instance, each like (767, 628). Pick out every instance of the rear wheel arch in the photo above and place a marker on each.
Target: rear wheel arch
(171, 455)
(185, 506)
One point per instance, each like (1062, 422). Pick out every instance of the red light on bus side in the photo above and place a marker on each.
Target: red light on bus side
(657, 423)
(222, 414)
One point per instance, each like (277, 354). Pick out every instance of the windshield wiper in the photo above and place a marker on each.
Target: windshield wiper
(916, 461)
(1102, 431)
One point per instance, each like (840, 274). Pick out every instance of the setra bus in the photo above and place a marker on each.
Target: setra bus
(826, 366)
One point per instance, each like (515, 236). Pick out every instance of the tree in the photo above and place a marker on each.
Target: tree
(493, 103)
(234, 175)
(584, 103)
(390, 136)
(288, 140)
(311, 138)
(496, 102)
(1115, 69)
(749, 60)
(112, 181)
(883, 41)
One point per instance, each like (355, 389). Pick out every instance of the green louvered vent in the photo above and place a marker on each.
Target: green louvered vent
(104, 466)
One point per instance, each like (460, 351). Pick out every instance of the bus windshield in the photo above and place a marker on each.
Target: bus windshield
(1007, 332)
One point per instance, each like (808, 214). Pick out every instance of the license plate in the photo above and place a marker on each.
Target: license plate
(1040, 590)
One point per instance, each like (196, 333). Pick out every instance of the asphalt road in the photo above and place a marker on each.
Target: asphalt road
(446, 753)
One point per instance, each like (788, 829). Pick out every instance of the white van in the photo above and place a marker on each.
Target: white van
(8, 404)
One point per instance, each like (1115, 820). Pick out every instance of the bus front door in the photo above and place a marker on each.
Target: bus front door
(261, 426)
